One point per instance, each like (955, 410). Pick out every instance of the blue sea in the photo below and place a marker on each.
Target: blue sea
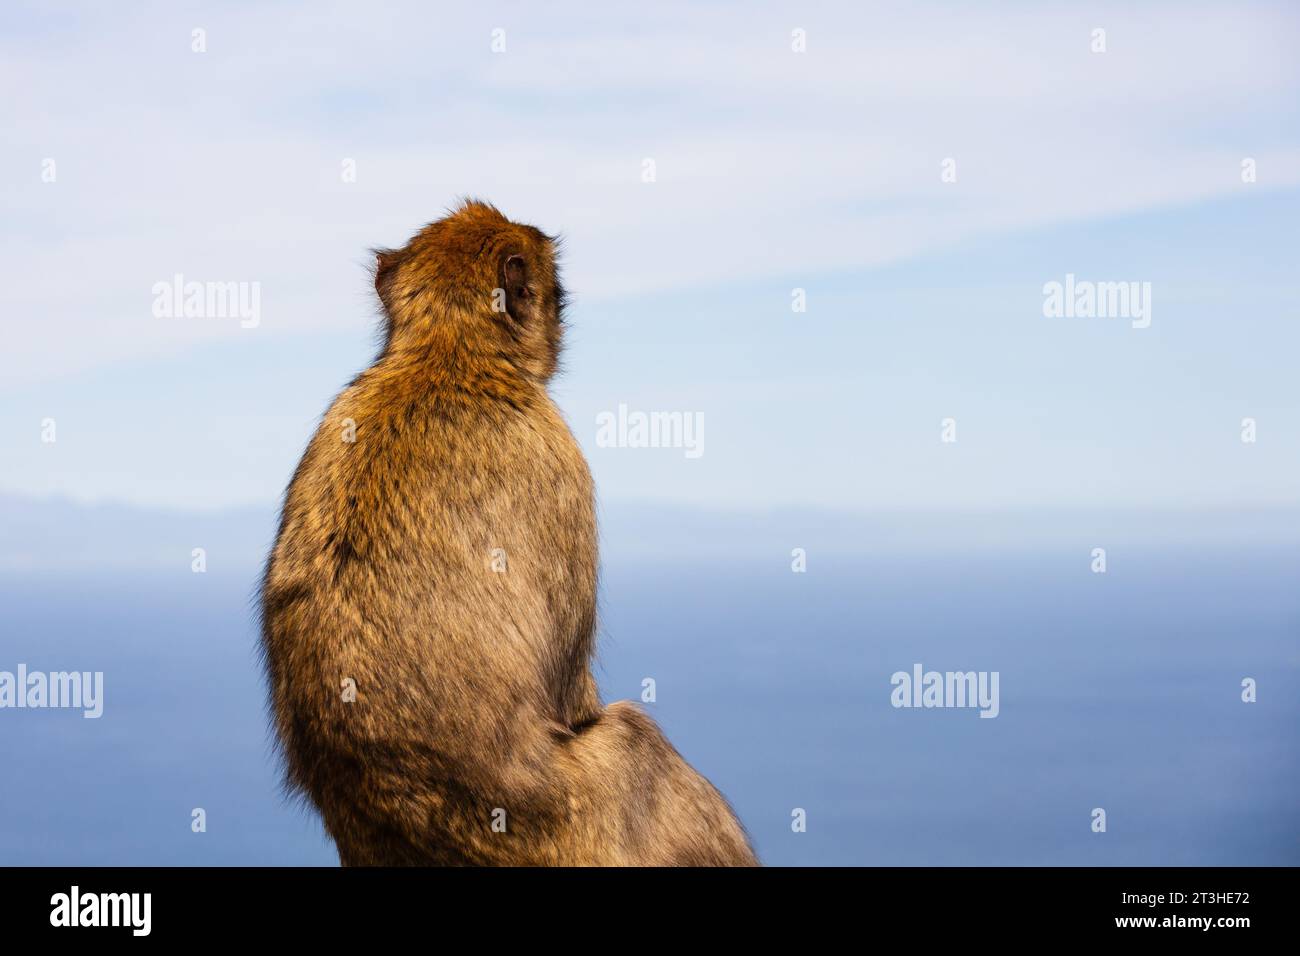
(1120, 691)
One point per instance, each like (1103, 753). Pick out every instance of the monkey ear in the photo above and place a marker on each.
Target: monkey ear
(385, 269)
(520, 295)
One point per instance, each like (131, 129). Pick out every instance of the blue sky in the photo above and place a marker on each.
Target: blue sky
(775, 170)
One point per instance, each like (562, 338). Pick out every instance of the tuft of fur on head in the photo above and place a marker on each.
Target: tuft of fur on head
(474, 285)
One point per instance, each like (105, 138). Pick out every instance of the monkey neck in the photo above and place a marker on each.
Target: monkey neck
(449, 356)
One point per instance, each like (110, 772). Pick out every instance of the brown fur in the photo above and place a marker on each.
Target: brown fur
(473, 687)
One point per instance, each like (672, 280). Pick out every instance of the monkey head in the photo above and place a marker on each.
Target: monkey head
(474, 282)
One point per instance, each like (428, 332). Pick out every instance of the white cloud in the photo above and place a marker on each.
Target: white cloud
(224, 166)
